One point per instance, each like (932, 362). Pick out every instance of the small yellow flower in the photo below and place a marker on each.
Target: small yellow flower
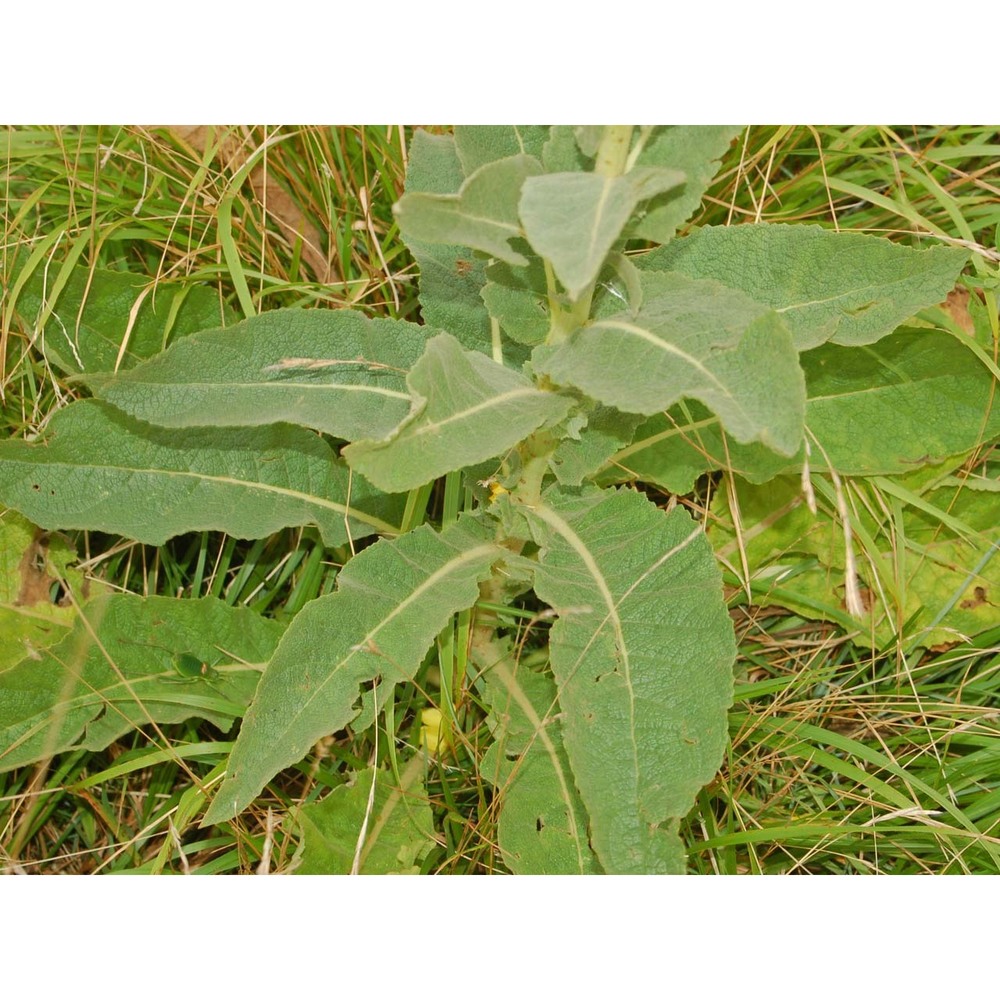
(433, 730)
(494, 486)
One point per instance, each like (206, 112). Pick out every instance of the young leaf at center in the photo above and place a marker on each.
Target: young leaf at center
(482, 215)
(574, 219)
(466, 409)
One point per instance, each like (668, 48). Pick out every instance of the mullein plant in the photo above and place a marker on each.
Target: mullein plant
(571, 343)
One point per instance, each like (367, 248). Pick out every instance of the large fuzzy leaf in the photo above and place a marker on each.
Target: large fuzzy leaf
(912, 399)
(642, 653)
(100, 470)
(847, 288)
(391, 601)
(693, 339)
(466, 408)
(478, 145)
(573, 219)
(133, 662)
(482, 215)
(333, 370)
(693, 149)
(84, 316)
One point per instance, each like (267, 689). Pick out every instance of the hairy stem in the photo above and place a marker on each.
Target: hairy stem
(612, 161)
(612, 154)
(536, 451)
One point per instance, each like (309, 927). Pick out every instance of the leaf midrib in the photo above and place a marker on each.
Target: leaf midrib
(599, 209)
(363, 645)
(182, 387)
(456, 208)
(877, 291)
(469, 412)
(656, 341)
(308, 498)
(562, 527)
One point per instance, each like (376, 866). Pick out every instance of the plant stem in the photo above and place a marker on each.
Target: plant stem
(536, 450)
(612, 154)
(612, 161)
(535, 454)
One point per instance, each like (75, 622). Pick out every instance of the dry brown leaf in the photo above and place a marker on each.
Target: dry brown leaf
(957, 307)
(942, 647)
(232, 154)
(33, 570)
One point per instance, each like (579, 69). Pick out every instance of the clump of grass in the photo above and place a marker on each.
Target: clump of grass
(903, 182)
(841, 760)
(839, 764)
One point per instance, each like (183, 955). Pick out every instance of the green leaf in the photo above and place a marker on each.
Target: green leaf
(333, 370)
(563, 153)
(675, 448)
(913, 399)
(433, 166)
(399, 831)
(574, 219)
(542, 827)
(588, 138)
(466, 408)
(86, 691)
(451, 280)
(31, 561)
(85, 316)
(606, 432)
(619, 284)
(98, 469)
(693, 149)
(944, 583)
(642, 653)
(478, 145)
(392, 600)
(451, 277)
(483, 215)
(847, 288)
(518, 299)
(692, 339)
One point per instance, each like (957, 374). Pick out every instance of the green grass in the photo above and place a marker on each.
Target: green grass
(841, 759)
